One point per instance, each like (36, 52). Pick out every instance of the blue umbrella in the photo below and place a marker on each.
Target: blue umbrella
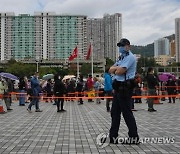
(9, 76)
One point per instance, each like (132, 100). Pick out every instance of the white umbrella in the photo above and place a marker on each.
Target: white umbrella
(48, 76)
(66, 77)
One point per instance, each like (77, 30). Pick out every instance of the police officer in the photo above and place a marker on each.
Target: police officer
(123, 81)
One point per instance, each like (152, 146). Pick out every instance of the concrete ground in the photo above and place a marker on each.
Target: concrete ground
(76, 130)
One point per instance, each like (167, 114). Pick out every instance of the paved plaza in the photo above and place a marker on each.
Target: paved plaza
(76, 130)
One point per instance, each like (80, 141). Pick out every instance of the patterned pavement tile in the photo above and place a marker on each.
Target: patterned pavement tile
(76, 130)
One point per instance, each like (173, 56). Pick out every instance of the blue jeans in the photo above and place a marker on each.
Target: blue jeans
(35, 101)
(22, 97)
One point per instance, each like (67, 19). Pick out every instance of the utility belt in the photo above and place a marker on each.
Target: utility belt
(123, 86)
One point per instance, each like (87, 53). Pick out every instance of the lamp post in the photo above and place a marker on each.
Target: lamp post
(37, 64)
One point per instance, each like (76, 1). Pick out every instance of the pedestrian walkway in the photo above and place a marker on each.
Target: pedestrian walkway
(76, 130)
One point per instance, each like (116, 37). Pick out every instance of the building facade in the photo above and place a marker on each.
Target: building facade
(161, 47)
(164, 60)
(113, 34)
(173, 48)
(44, 36)
(177, 38)
(95, 36)
(105, 33)
(48, 36)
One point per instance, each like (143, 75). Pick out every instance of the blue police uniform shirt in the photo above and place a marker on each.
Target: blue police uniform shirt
(129, 62)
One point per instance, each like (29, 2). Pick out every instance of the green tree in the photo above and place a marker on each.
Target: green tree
(20, 69)
(175, 64)
(11, 61)
(109, 62)
(62, 72)
(97, 70)
(144, 62)
(85, 69)
(46, 70)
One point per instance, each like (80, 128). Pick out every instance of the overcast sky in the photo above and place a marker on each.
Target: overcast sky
(143, 20)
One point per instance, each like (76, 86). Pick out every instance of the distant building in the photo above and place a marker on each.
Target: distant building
(172, 48)
(105, 33)
(164, 60)
(113, 34)
(161, 47)
(44, 36)
(95, 35)
(177, 38)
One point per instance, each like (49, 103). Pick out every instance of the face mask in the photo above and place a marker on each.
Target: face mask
(122, 50)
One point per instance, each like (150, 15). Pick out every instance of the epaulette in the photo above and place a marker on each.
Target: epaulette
(122, 57)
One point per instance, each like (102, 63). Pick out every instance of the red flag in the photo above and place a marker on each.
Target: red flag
(74, 54)
(89, 52)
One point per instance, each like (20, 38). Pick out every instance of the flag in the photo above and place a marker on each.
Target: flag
(89, 52)
(74, 54)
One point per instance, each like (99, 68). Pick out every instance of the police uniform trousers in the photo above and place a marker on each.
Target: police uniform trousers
(122, 104)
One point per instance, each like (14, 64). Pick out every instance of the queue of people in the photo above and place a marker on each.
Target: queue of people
(30, 90)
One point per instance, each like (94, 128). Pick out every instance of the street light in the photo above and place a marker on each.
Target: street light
(37, 64)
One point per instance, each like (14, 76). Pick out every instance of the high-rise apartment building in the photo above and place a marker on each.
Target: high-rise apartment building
(161, 47)
(104, 33)
(177, 38)
(172, 48)
(95, 36)
(43, 36)
(113, 34)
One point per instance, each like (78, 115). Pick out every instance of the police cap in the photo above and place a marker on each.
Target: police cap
(123, 42)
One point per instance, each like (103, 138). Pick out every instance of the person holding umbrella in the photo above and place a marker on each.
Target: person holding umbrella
(10, 78)
(48, 90)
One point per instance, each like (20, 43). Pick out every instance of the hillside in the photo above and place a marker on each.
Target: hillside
(148, 50)
(145, 51)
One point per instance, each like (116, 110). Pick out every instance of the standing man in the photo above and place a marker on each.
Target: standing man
(22, 88)
(36, 89)
(171, 88)
(152, 82)
(80, 89)
(10, 90)
(90, 85)
(108, 88)
(123, 83)
(59, 91)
